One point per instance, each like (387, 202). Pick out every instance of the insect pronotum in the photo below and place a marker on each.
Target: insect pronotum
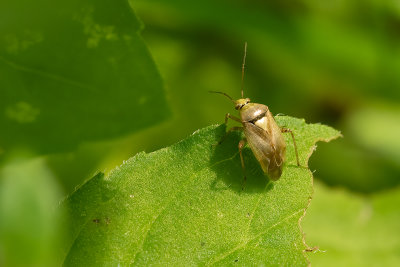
(261, 132)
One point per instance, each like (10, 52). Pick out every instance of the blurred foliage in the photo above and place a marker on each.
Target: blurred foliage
(77, 72)
(30, 226)
(353, 230)
(71, 83)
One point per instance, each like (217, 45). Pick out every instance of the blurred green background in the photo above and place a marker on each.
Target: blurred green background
(78, 101)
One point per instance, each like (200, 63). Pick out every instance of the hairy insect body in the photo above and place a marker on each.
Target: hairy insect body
(264, 138)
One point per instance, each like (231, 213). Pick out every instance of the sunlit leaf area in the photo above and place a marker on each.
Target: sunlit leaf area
(108, 133)
(186, 205)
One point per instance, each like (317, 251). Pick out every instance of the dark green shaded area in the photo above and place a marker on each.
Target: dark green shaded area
(74, 71)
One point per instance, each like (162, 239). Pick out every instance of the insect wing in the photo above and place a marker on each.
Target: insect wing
(267, 145)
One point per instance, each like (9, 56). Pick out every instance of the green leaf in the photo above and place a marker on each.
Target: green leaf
(30, 230)
(74, 71)
(354, 230)
(183, 205)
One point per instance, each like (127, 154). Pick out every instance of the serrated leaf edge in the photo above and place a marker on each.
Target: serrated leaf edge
(303, 234)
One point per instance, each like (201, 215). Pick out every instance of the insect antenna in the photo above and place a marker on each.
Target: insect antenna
(243, 65)
(222, 93)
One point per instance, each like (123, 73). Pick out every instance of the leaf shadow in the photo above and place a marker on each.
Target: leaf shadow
(225, 162)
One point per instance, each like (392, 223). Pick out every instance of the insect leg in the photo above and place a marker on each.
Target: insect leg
(229, 116)
(286, 130)
(236, 128)
(242, 143)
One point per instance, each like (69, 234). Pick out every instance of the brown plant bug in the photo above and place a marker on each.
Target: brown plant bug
(261, 132)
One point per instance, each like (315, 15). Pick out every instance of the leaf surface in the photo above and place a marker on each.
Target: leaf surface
(74, 71)
(183, 205)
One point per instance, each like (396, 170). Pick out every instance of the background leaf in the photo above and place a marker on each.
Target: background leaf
(368, 159)
(183, 205)
(353, 229)
(74, 71)
(30, 226)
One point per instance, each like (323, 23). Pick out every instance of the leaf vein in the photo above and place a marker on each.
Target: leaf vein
(162, 210)
(47, 75)
(246, 242)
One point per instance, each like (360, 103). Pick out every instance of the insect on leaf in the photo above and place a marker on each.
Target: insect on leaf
(184, 205)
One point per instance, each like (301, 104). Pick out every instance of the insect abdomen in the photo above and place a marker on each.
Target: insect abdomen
(267, 143)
